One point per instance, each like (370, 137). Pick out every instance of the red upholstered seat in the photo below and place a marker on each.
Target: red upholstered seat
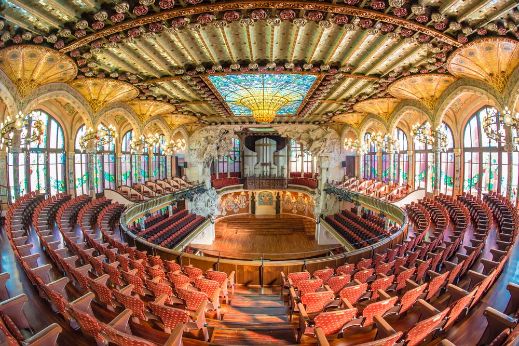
(324, 274)
(298, 276)
(178, 280)
(364, 275)
(135, 304)
(410, 297)
(169, 316)
(193, 272)
(337, 283)
(159, 288)
(424, 328)
(331, 322)
(307, 286)
(380, 284)
(346, 269)
(317, 301)
(436, 284)
(193, 299)
(378, 308)
(353, 293)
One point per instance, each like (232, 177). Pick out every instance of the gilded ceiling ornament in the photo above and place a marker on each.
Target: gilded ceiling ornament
(81, 24)
(2, 24)
(101, 16)
(6, 36)
(418, 10)
(325, 24)
(396, 3)
(31, 66)
(274, 21)
(101, 91)
(300, 22)
(287, 14)
(122, 7)
(27, 36)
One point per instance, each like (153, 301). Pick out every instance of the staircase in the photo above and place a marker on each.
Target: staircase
(253, 317)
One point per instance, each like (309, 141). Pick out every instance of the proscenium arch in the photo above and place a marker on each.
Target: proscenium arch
(53, 91)
(460, 87)
(405, 107)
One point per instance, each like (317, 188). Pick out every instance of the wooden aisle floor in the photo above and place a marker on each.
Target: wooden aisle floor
(275, 237)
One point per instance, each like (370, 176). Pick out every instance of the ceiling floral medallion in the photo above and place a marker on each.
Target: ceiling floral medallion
(145, 109)
(101, 91)
(30, 66)
(382, 107)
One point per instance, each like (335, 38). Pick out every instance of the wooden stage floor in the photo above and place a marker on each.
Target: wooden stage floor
(276, 237)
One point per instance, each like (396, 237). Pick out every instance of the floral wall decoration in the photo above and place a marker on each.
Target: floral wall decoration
(318, 140)
(297, 203)
(234, 203)
(207, 144)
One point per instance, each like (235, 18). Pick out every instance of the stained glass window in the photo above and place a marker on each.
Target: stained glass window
(424, 166)
(370, 159)
(486, 161)
(401, 161)
(126, 159)
(41, 165)
(515, 172)
(104, 166)
(447, 164)
(245, 92)
(159, 160)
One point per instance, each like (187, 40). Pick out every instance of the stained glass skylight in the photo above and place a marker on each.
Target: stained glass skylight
(247, 94)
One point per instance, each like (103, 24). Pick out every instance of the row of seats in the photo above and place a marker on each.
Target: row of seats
(120, 278)
(152, 188)
(434, 275)
(371, 187)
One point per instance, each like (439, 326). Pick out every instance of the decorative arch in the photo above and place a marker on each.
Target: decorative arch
(8, 93)
(62, 91)
(460, 87)
(161, 123)
(347, 130)
(368, 122)
(511, 92)
(119, 108)
(403, 108)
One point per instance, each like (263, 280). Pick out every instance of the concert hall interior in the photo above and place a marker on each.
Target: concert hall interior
(232, 172)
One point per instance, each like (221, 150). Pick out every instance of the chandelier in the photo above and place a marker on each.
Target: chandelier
(389, 144)
(428, 136)
(264, 105)
(97, 138)
(355, 145)
(491, 120)
(139, 145)
(16, 125)
(174, 146)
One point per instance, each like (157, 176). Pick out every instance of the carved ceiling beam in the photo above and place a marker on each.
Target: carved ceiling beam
(510, 5)
(471, 10)
(38, 14)
(21, 24)
(63, 8)
(447, 5)
(252, 4)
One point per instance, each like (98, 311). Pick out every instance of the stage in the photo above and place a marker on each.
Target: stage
(273, 237)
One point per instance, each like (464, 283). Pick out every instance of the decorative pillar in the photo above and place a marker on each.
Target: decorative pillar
(118, 170)
(411, 170)
(4, 199)
(358, 171)
(69, 168)
(91, 171)
(392, 168)
(436, 166)
(458, 183)
(379, 164)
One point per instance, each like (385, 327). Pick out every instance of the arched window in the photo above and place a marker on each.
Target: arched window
(424, 166)
(144, 166)
(486, 161)
(126, 159)
(301, 160)
(41, 165)
(370, 159)
(401, 161)
(104, 166)
(80, 165)
(447, 164)
(159, 159)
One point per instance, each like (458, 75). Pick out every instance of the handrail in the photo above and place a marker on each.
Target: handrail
(393, 211)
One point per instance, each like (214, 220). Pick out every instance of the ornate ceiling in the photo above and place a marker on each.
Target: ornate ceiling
(164, 50)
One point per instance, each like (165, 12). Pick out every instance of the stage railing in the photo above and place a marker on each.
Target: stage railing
(262, 271)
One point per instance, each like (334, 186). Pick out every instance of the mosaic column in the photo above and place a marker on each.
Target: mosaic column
(437, 166)
(358, 171)
(3, 177)
(71, 188)
(379, 165)
(411, 168)
(509, 148)
(118, 170)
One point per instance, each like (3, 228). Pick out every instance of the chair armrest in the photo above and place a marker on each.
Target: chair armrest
(45, 337)
(4, 294)
(456, 292)
(127, 289)
(383, 327)
(513, 303)
(120, 322)
(321, 337)
(383, 294)
(83, 303)
(13, 307)
(59, 285)
(102, 279)
(43, 272)
(199, 315)
(175, 338)
(347, 303)
(427, 308)
(410, 284)
(488, 265)
(302, 312)
(446, 342)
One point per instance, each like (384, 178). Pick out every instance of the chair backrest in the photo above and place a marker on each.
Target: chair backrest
(410, 297)
(135, 304)
(324, 274)
(317, 301)
(458, 307)
(168, 315)
(193, 299)
(402, 277)
(298, 276)
(216, 276)
(178, 280)
(363, 275)
(307, 286)
(377, 308)
(331, 322)
(380, 284)
(88, 324)
(337, 283)
(424, 328)
(435, 284)
(193, 272)
(353, 293)
(207, 286)
(388, 341)
(346, 269)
